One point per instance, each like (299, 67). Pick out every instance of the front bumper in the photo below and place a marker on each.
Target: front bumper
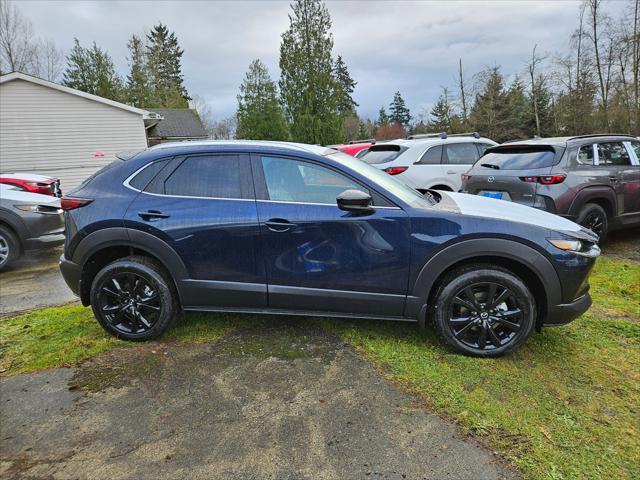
(71, 273)
(567, 312)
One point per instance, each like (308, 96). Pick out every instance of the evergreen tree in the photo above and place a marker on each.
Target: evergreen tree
(442, 115)
(383, 118)
(519, 121)
(164, 58)
(138, 87)
(307, 83)
(344, 89)
(489, 112)
(399, 113)
(91, 70)
(259, 114)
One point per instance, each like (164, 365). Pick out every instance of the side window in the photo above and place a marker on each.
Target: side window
(289, 180)
(142, 179)
(460, 154)
(215, 176)
(585, 155)
(482, 147)
(432, 156)
(613, 153)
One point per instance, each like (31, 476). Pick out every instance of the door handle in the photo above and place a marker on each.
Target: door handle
(151, 215)
(451, 172)
(279, 224)
(613, 179)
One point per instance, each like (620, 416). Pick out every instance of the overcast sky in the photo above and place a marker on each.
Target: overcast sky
(413, 47)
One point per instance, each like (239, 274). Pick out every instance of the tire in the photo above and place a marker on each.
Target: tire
(460, 320)
(9, 248)
(133, 299)
(593, 217)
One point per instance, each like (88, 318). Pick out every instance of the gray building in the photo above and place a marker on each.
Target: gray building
(177, 124)
(49, 129)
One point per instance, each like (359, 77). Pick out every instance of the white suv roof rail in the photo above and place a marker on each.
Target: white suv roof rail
(443, 135)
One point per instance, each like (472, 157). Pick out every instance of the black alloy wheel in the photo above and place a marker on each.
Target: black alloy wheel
(130, 302)
(485, 316)
(133, 299)
(593, 217)
(484, 311)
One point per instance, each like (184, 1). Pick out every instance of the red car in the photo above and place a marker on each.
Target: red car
(354, 147)
(30, 182)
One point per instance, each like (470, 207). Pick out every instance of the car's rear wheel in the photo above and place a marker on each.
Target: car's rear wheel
(484, 311)
(9, 248)
(593, 217)
(133, 299)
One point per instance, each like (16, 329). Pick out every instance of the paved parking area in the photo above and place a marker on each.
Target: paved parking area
(34, 281)
(287, 402)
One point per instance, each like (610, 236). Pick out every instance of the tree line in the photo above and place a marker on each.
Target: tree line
(592, 88)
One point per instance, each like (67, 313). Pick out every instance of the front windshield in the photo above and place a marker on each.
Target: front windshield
(386, 181)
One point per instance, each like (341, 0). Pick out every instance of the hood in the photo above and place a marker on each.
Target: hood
(479, 206)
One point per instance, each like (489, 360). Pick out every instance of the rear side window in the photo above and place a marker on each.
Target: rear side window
(613, 153)
(215, 176)
(518, 159)
(432, 156)
(378, 154)
(142, 179)
(585, 155)
(460, 154)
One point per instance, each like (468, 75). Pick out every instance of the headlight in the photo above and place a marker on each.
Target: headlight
(578, 247)
(45, 209)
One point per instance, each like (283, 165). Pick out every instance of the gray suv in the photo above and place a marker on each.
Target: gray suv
(593, 180)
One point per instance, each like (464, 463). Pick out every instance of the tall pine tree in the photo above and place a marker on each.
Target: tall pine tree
(398, 111)
(489, 114)
(307, 83)
(139, 93)
(259, 114)
(164, 58)
(91, 70)
(344, 89)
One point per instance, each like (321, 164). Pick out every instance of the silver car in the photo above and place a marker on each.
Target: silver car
(28, 221)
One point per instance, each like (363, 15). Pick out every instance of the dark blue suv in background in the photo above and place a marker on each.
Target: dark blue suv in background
(282, 228)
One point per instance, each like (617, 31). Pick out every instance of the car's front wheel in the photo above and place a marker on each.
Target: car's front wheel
(133, 299)
(9, 248)
(484, 311)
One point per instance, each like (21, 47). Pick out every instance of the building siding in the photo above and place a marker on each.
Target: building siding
(50, 132)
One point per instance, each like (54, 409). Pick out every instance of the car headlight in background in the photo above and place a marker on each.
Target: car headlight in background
(585, 249)
(44, 209)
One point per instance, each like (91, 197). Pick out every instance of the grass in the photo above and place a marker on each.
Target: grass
(565, 406)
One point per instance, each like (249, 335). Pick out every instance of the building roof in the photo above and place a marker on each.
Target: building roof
(72, 91)
(178, 123)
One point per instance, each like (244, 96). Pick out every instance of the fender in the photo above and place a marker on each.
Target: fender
(120, 236)
(589, 193)
(487, 247)
(15, 223)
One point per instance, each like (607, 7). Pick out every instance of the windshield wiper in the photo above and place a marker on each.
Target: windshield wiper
(488, 165)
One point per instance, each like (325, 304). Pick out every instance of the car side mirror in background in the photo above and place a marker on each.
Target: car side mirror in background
(355, 201)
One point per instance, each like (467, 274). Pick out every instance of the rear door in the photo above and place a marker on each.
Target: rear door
(203, 207)
(511, 172)
(615, 161)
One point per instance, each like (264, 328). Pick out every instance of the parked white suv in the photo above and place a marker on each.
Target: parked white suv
(435, 161)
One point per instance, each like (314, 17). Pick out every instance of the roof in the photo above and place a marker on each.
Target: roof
(72, 91)
(317, 149)
(564, 140)
(178, 123)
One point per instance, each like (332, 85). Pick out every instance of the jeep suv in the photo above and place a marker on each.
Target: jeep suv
(429, 161)
(272, 227)
(593, 180)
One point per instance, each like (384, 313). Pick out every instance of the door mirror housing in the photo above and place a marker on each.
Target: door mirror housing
(355, 201)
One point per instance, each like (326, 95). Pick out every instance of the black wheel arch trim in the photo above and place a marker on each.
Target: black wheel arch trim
(483, 247)
(130, 238)
(591, 193)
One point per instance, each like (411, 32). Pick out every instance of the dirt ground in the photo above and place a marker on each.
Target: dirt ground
(289, 401)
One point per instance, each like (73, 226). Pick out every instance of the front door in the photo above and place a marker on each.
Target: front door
(320, 258)
(204, 208)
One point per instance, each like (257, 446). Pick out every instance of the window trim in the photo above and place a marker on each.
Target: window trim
(262, 193)
(246, 181)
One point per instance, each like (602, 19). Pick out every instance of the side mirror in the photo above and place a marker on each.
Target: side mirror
(355, 201)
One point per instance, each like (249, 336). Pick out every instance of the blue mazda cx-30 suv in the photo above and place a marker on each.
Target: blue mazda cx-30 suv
(284, 228)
